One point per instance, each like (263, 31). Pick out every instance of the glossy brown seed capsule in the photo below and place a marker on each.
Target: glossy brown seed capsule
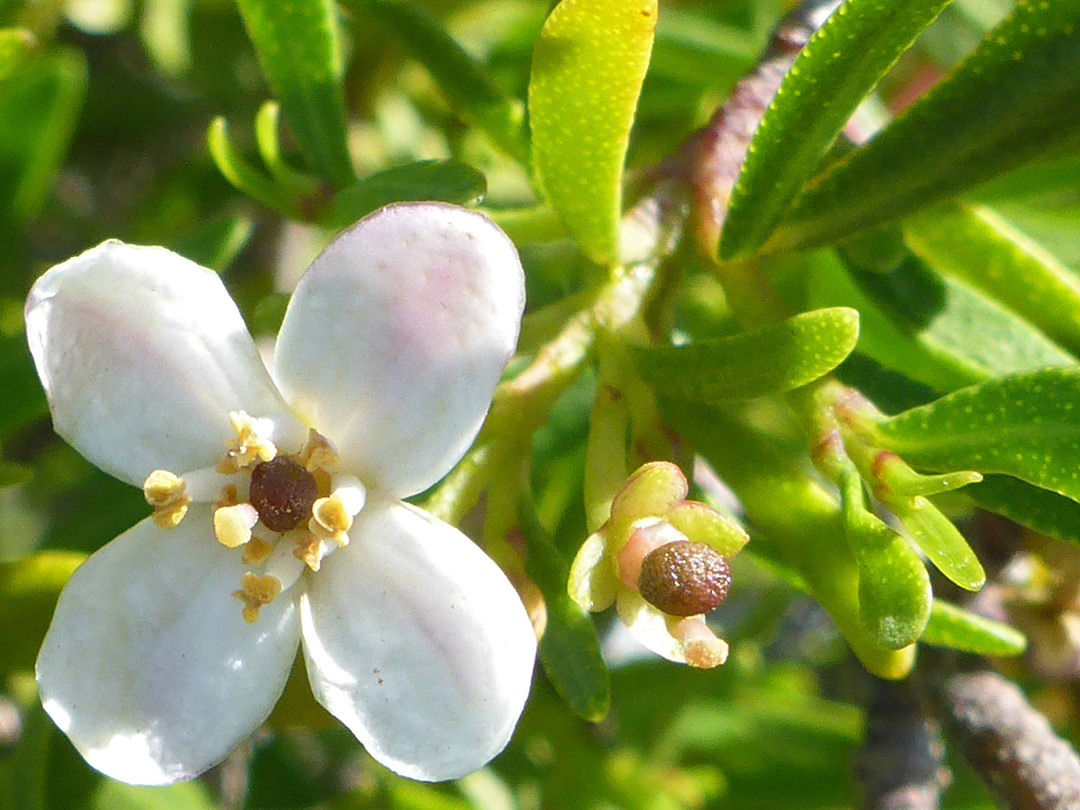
(684, 578)
(282, 492)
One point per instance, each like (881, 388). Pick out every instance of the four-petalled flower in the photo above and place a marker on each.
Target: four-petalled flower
(277, 514)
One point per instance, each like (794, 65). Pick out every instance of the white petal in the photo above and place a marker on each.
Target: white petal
(417, 642)
(142, 354)
(396, 336)
(648, 626)
(148, 666)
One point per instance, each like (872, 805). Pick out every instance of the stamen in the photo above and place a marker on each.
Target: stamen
(331, 518)
(233, 524)
(256, 551)
(309, 550)
(256, 591)
(317, 454)
(251, 445)
(165, 492)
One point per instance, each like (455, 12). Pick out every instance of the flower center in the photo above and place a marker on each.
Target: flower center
(284, 512)
(282, 492)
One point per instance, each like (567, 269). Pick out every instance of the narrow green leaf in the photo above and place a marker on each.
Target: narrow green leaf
(268, 141)
(15, 45)
(28, 591)
(959, 629)
(964, 332)
(939, 540)
(772, 360)
(835, 71)
(299, 48)
(587, 70)
(464, 82)
(976, 245)
(1026, 425)
(1015, 100)
(242, 174)
(1038, 509)
(40, 101)
(894, 587)
(569, 650)
(445, 180)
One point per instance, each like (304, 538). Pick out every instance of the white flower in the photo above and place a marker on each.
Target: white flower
(175, 640)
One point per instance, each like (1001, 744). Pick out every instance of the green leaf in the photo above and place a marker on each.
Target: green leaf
(835, 71)
(21, 397)
(894, 587)
(15, 45)
(569, 650)
(976, 245)
(969, 337)
(959, 629)
(1038, 509)
(939, 540)
(445, 180)
(778, 358)
(1026, 425)
(587, 70)
(28, 591)
(40, 101)
(1014, 101)
(245, 177)
(466, 84)
(299, 48)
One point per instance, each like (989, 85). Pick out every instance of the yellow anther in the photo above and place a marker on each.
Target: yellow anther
(233, 524)
(228, 497)
(330, 520)
(700, 644)
(316, 454)
(165, 492)
(256, 551)
(309, 550)
(251, 445)
(256, 591)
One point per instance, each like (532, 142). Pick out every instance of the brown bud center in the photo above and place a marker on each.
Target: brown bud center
(684, 578)
(282, 492)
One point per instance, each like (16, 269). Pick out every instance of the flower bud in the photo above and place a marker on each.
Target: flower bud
(684, 578)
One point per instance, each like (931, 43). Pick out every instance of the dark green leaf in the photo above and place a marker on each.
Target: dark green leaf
(569, 650)
(21, 397)
(464, 82)
(445, 180)
(978, 246)
(777, 358)
(299, 49)
(1014, 101)
(959, 629)
(1038, 509)
(1026, 425)
(835, 71)
(40, 102)
(963, 330)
